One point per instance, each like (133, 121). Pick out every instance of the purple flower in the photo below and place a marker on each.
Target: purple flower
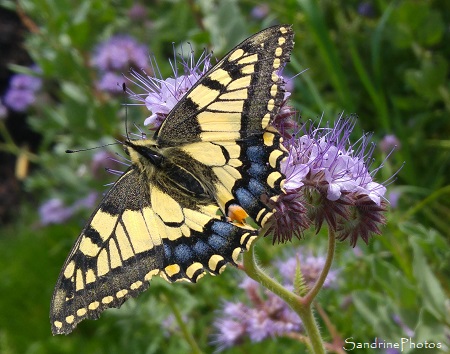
(388, 143)
(325, 156)
(115, 56)
(310, 267)
(119, 53)
(110, 82)
(393, 197)
(53, 211)
(105, 160)
(22, 90)
(3, 111)
(366, 9)
(266, 316)
(333, 183)
(260, 11)
(162, 95)
(138, 12)
(230, 332)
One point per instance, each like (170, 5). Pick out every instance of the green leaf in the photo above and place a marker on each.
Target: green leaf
(433, 295)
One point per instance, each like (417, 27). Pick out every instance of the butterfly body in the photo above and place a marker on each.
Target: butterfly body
(180, 210)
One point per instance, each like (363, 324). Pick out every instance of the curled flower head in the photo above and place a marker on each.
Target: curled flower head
(290, 218)
(283, 120)
(333, 178)
(161, 95)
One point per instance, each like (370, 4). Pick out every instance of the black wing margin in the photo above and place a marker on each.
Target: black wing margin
(112, 260)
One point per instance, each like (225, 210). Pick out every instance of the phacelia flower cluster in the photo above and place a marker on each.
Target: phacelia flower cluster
(115, 56)
(329, 177)
(265, 315)
(163, 94)
(22, 91)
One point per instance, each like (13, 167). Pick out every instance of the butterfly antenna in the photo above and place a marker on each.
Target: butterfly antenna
(124, 88)
(69, 151)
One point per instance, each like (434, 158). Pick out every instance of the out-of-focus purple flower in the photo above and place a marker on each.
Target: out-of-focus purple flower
(392, 351)
(408, 332)
(110, 82)
(22, 90)
(388, 143)
(260, 11)
(53, 211)
(119, 53)
(366, 9)
(266, 316)
(332, 177)
(310, 267)
(138, 12)
(229, 332)
(163, 94)
(393, 197)
(87, 202)
(105, 160)
(116, 56)
(3, 111)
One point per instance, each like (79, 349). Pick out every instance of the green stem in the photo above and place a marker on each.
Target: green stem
(297, 303)
(186, 333)
(311, 295)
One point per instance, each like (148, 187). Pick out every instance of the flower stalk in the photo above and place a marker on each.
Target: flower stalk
(302, 305)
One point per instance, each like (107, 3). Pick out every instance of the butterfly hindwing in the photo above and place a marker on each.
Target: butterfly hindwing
(180, 210)
(128, 240)
(109, 256)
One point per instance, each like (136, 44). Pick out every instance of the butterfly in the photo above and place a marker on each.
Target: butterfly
(181, 209)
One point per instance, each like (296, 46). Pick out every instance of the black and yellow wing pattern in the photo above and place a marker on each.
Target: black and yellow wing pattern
(180, 210)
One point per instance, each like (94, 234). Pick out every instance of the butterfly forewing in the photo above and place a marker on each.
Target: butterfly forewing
(238, 97)
(180, 210)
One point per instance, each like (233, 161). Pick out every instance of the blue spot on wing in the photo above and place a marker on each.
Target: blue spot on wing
(246, 199)
(256, 187)
(256, 154)
(167, 251)
(222, 228)
(258, 171)
(217, 242)
(183, 254)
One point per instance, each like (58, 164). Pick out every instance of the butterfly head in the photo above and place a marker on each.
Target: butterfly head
(143, 151)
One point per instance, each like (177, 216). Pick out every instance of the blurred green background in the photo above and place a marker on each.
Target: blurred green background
(386, 61)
